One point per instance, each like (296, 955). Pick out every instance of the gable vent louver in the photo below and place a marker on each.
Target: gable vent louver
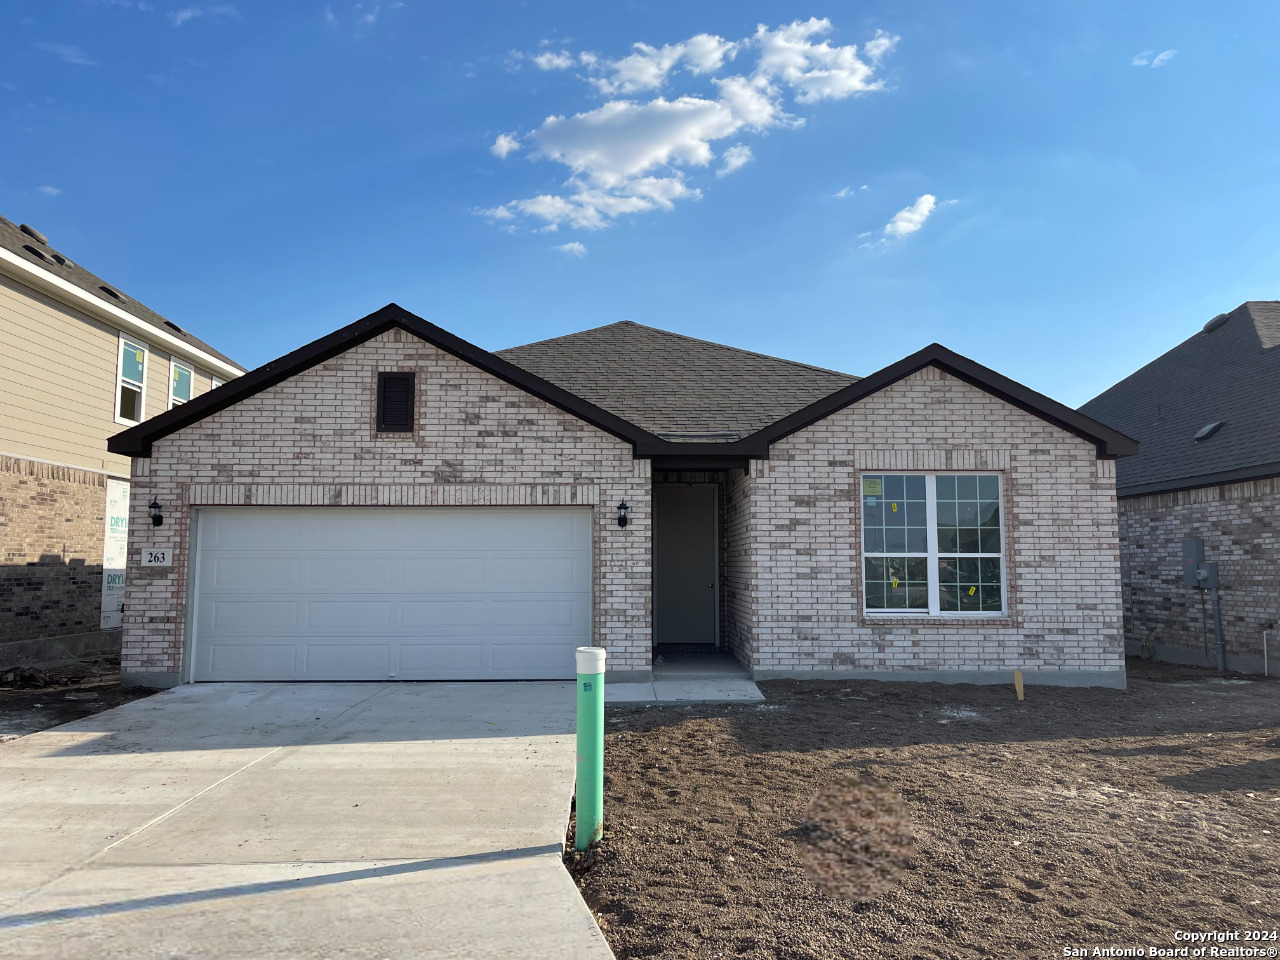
(1208, 430)
(395, 402)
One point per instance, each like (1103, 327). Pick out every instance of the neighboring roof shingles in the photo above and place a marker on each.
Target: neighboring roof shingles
(17, 242)
(1230, 374)
(679, 388)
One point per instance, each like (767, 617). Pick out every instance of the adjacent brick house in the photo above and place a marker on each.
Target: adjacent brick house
(392, 501)
(80, 361)
(1207, 414)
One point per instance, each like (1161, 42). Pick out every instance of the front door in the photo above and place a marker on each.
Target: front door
(685, 586)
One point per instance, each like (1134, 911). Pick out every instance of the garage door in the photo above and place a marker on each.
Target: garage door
(411, 593)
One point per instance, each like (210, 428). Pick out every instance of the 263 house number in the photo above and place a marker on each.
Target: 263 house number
(156, 557)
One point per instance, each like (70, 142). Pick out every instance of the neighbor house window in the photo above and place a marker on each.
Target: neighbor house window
(132, 367)
(932, 543)
(180, 378)
(395, 402)
(215, 383)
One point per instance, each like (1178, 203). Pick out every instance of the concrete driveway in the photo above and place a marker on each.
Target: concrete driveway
(299, 821)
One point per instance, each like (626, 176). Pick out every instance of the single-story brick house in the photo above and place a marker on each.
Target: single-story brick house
(391, 501)
(1207, 414)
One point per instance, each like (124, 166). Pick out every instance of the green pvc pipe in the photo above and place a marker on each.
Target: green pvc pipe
(590, 798)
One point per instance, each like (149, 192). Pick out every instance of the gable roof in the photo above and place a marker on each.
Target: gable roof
(1228, 373)
(681, 389)
(690, 453)
(41, 255)
(137, 441)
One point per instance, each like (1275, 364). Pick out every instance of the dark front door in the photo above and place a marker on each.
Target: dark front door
(685, 586)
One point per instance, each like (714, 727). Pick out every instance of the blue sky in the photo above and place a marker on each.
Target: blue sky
(1061, 191)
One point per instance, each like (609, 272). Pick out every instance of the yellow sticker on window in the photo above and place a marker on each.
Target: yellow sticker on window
(971, 590)
(872, 487)
(895, 508)
(139, 358)
(895, 581)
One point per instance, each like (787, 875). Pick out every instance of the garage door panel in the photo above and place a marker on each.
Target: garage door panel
(255, 573)
(363, 614)
(256, 661)
(424, 661)
(412, 592)
(533, 661)
(441, 615)
(347, 661)
(232, 528)
(253, 614)
(442, 573)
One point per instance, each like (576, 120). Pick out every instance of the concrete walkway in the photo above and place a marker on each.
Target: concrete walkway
(297, 820)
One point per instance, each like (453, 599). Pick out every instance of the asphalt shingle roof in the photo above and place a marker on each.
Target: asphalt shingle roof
(677, 387)
(47, 258)
(1231, 374)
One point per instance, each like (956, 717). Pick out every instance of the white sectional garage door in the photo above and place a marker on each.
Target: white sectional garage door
(410, 593)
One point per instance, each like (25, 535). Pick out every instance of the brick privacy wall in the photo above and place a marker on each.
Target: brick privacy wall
(1240, 526)
(51, 580)
(1062, 550)
(312, 441)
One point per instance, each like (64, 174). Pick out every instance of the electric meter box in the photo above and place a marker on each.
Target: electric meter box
(1192, 562)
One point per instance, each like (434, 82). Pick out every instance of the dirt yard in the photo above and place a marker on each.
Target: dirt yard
(1077, 818)
(36, 698)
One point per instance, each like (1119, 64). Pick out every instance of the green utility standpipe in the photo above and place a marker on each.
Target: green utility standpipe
(590, 799)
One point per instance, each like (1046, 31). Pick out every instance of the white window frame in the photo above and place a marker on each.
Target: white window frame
(935, 610)
(176, 364)
(215, 382)
(142, 387)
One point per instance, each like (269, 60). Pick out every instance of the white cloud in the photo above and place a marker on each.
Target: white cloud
(68, 53)
(735, 158)
(636, 154)
(648, 67)
(844, 192)
(179, 17)
(329, 16)
(907, 221)
(573, 248)
(1149, 58)
(554, 61)
(49, 191)
(505, 144)
(819, 71)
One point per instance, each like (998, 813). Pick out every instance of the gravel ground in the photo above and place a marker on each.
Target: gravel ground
(1078, 818)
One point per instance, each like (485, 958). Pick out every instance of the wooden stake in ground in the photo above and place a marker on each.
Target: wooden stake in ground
(1017, 682)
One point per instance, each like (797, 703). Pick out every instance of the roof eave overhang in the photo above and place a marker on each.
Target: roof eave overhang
(137, 441)
(17, 268)
(1110, 444)
(1262, 471)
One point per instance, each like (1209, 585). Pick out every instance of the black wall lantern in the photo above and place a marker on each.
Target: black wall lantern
(156, 518)
(622, 513)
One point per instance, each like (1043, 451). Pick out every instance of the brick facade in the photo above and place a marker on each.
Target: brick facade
(795, 581)
(312, 440)
(51, 579)
(1240, 526)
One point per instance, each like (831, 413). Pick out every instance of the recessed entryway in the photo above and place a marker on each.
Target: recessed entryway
(685, 564)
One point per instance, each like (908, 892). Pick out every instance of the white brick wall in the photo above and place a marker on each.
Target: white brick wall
(800, 606)
(311, 440)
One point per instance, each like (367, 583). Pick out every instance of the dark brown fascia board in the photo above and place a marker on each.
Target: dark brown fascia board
(1262, 471)
(137, 441)
(1110, 443)
(683, 461)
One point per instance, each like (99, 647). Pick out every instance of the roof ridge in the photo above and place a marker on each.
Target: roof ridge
(683, 336)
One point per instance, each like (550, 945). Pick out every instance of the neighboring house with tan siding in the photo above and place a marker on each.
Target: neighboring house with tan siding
(392, 502)
(1207, 415)
(80, 361)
